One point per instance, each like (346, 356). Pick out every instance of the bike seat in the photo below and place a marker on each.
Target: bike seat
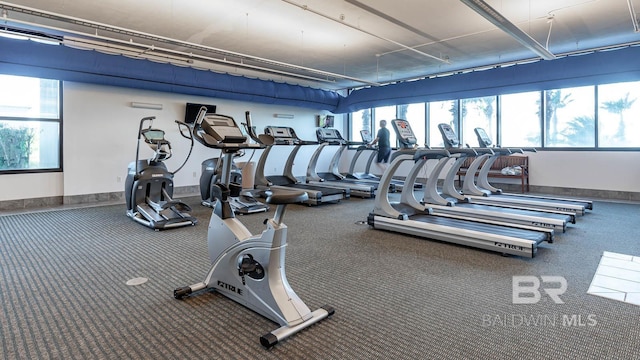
(286, 197)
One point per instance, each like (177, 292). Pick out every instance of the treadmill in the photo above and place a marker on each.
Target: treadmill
(287, 181)
(333, 178)
(478, 195)
(484, 141)
(367, 175)
(415, 219)
(459, 207)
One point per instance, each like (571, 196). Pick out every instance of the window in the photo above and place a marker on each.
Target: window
(478, 112)
(360, 120)
(441, 112)
(520, 120)
(30, 124)
(570, 117)
(557, 118)
(415, 115)
(618, 112)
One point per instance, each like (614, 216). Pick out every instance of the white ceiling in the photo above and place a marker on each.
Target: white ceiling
(331, 44)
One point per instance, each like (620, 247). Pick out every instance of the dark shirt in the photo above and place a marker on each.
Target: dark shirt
(384, 147)
(383, 138)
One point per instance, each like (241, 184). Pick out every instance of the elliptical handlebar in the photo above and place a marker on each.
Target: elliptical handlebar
(251, 130)
(157, 144)
(142, 121)
(263, 139)
(181, 126)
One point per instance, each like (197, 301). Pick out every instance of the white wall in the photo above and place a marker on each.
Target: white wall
(28, 186)
(598, 170)
(100, 133)
(595, 170)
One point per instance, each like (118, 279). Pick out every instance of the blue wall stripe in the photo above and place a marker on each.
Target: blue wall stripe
(27, 58)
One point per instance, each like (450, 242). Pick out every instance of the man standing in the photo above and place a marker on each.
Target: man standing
(384, 146)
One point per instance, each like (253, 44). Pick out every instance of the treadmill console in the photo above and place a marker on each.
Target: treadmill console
(282, 135)
(448, 136)
(366, 136)
(483, 139)
(329, 135)
(404, 133)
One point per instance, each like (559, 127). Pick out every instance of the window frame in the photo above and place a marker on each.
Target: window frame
(542, 122)
(58, 120)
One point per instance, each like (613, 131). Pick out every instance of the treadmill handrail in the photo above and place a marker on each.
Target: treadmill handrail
(430, 154)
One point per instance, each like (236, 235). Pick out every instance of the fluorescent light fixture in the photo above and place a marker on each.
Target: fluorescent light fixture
(142, 105)
(18, 34)
(11, 35)
(45, 41)
(507, 26)
(22, 34)
(284, 116)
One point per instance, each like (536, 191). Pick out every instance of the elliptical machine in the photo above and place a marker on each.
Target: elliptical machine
(149, 185)
(247, 268)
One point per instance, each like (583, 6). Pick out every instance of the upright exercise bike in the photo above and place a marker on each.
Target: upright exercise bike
(243, 204)
(247, 268)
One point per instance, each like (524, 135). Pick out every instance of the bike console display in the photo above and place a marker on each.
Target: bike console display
(221, 131)
(222, 128)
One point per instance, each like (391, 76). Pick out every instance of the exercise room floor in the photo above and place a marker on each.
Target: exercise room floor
(617, 277)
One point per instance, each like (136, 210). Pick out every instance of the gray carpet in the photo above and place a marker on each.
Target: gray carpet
(64, 296)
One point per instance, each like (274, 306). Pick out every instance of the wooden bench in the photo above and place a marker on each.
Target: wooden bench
(501, 163)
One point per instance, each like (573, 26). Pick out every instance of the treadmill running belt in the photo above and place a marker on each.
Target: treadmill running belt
(488, 228)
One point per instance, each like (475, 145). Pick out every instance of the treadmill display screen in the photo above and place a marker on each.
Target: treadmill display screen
(403, 129)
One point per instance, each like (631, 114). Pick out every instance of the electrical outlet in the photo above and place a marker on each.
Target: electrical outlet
(195, 174)
(118, 179)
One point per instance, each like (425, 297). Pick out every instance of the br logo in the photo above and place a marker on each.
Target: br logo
(529, 286)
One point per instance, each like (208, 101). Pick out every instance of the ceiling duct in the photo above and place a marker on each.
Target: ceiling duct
(201, 52)
(507, 26)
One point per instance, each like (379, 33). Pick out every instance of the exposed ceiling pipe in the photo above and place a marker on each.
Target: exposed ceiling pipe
(180, 58)
(502, 23)
(340, 21)
(514, 62)
(390, 19)
(319, 75)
